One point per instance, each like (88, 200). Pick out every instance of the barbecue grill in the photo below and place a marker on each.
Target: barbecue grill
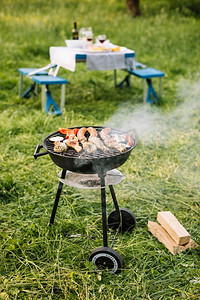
(94, 170)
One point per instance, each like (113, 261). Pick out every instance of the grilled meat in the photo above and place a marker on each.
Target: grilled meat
(115, 140)
(110, 143)
(99, 144)
(59, 147)
(81, 134)
(73, 142)
(68, 132)
(89, 147)
(104, 134)
(92, 131)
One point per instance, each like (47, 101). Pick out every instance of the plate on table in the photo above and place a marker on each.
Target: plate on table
(97, 51)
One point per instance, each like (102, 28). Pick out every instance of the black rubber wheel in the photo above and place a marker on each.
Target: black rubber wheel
(126, 220)
(105, 258)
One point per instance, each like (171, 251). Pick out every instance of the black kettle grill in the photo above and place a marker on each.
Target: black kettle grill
(101, 169)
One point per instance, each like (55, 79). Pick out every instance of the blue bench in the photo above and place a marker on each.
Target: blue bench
(49, 104)
(32, 90)
(42, 78)
(150, 95)
(146, 73)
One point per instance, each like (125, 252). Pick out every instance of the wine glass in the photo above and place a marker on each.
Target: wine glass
(89, 34)
(102, 38)
(82, 33)
(89, 37)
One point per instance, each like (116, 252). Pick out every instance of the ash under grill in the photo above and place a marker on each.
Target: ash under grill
(91, 181)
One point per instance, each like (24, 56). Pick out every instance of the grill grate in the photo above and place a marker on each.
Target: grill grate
(70, 152)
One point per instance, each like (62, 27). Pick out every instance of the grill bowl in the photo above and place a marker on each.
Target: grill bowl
(83, 162)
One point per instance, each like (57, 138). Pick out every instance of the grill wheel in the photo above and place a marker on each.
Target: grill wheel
(125, 221)
(105, 258)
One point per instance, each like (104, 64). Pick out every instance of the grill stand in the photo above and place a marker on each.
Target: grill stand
(119, 219)
(60, 186)
(103, 207)
(103, 204)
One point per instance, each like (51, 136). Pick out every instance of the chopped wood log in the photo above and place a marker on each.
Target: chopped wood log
(162, 235)
(174, 228)
(191, 245)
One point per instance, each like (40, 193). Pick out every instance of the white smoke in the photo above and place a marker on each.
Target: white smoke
(150, 123)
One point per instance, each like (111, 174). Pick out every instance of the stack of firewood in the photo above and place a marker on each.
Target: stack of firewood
(171, 233)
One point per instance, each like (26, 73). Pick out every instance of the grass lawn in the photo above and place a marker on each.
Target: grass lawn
(162, 172)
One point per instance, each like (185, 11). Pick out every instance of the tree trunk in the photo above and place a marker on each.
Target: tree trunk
(133, 7)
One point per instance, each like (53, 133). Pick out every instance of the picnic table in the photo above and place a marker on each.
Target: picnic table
(95, 60)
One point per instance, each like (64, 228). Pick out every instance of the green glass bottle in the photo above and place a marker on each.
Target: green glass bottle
(75, 32)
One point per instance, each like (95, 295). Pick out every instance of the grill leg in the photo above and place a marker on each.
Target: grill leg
(114, 198)
(57, 198)
(103, 206)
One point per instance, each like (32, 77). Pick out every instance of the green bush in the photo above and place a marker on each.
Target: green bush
(186, 6)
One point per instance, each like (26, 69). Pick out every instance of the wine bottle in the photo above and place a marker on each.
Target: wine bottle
(75, 32)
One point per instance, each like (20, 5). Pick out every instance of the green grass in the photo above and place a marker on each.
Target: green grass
(162, 173)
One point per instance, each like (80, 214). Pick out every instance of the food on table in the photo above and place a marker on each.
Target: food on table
(59, 147)
(117, 48)
(98, 48)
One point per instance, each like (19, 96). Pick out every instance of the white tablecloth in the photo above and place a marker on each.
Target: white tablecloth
(63, 57)
(66, 58)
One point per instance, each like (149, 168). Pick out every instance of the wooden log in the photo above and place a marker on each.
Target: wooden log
(191, 245)
(174, 228)
(162, 235)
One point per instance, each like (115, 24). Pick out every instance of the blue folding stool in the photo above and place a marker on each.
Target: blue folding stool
(31, 91)
(147, 73)
(48, 104)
